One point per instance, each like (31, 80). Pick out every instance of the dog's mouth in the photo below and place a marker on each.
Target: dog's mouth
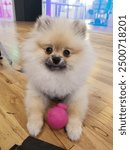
(55, 67)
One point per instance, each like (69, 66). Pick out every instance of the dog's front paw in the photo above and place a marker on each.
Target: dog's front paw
(74, 129)
(34, 126)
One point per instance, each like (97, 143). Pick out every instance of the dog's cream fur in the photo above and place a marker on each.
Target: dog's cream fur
(71, 81)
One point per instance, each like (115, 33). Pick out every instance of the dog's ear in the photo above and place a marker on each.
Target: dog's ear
(80, 28)
(43, 23)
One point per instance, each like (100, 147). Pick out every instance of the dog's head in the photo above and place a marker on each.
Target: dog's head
(58, 44)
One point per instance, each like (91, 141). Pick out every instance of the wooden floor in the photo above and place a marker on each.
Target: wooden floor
(97, 129)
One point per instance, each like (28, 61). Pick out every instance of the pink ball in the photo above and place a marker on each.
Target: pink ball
(57, 116)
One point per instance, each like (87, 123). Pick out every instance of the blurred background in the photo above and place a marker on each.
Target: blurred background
(95, 12)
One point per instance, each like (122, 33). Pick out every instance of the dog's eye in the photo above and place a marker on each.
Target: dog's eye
(66, 53)
(49, 50)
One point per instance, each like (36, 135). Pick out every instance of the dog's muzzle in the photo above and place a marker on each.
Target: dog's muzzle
(55, 63)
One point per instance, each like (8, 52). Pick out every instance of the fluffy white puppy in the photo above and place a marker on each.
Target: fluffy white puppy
(57, 59)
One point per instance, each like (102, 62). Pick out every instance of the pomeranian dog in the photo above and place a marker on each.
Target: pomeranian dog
(57, 59)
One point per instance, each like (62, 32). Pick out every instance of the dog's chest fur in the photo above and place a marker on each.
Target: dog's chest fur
(56, 84)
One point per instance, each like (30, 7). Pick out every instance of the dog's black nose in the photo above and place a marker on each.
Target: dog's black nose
(56, 60)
